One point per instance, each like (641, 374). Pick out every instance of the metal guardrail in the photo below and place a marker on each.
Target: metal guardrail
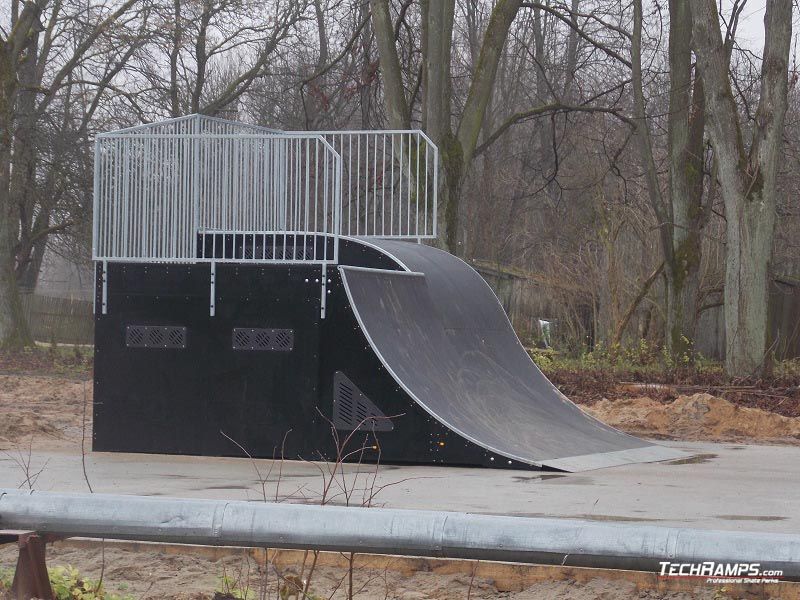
(389, 183)
(158, 196)
(202, 189)
(391, 531)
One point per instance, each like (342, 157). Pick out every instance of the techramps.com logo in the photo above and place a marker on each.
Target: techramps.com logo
(720, 572)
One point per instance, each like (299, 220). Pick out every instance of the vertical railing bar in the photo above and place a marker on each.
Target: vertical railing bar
(349, 182)
(358, 185)
(167, 182)
(383, 188)
(109, 208)
(126, 191)
(285, 180)
(400, 190)
(408, 207)
(274, 196)
(435, 231)
(391, 200)
(298, 191)
(144, 197)
(110, 185)
(158, 212)
(425, 215)
(307, 197)
(97, 196)
(114, 181)
(264, 198)
(148, 186)
(375, 185)
(325, 207)
(416, 192)
(175, 208)
(316, 193)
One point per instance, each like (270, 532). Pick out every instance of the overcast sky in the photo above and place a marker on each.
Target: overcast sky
(751, 24)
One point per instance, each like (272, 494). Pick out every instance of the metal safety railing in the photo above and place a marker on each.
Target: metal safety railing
(202, 189)
(565, 542)
(202, 197)
(389, 183)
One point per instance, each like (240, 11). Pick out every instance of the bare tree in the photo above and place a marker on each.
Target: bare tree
(679, 210)
(59, 61)
(747, 175)
(457, 146)
(14, 46)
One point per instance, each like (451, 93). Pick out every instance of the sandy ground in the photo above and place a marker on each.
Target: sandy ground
(152, 575)
(697, 417)
(49, 413)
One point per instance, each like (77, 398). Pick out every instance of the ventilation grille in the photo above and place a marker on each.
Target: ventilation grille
(353, 410)
(275, 340)
(155, 336)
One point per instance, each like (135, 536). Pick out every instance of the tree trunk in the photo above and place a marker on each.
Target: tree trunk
(14, 332)
(747, 277)
(747, 176)
(174, 55)
(394, 92)
(685, 130)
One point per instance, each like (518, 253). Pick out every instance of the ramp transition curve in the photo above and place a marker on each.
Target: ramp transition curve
(440, 331)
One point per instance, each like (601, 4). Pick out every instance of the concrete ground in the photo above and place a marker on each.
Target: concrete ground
(725, 486)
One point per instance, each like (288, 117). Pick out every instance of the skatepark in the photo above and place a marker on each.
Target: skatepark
(300, 328)
(268, 328)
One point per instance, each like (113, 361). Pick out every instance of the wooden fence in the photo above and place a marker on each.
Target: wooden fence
(59, 320)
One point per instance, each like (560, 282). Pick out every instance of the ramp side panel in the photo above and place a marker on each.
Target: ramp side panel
(446, 340)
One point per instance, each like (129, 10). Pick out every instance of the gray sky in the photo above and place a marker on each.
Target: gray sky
(751, 24)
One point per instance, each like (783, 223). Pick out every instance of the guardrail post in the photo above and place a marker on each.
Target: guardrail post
(30, 577)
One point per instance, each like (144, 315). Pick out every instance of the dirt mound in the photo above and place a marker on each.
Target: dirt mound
(46, 409)
(696, 417)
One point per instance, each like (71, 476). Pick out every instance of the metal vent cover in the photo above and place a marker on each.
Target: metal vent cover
(155, 336)
(269, 340)
(353, 410)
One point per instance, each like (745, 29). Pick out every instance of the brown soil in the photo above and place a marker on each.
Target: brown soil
(151, 575)
(43, 411)
(74, 362)
(696, 417)
(780, 395)
(48, 412)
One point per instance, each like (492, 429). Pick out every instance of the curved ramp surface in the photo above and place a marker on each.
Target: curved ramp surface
(440, 331)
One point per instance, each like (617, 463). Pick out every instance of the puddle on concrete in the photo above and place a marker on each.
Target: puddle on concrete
(615, 518)
(750, 518)
(697, 459)
(561, 478)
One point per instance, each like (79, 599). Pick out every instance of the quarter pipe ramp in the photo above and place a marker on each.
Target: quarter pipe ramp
(440, 331)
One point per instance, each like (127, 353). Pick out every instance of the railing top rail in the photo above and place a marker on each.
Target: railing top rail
(202, 136)
(363, 131)
(193, 117)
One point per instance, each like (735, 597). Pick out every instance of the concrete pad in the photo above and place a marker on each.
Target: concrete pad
(725, 486)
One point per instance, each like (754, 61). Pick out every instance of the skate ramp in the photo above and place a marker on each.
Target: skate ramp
(440, 331)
